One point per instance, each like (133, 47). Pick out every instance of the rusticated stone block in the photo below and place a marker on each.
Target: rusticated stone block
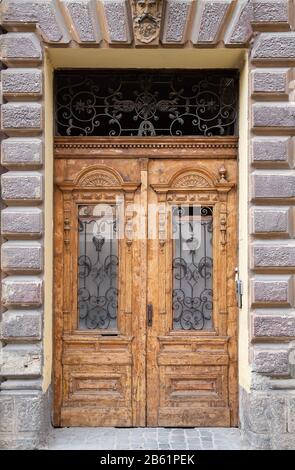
(240, 28)
(83, 16)
(274, 46)
(116, 18)
(273, 256)
(177, 14)
(19, 360)
(252, 410)
(209, 20)
(270, 11)
(267, 291)
(273, 326)
(21, 152)
(6, 413)
(30, 418)
(270, 81)
(22, 186)
(45, 13)
(19, 257)
(272, 151)
(21, 222)
(29, 412)
(22, 291)
(21, 116)
(17, 82)
(17, 441)
(291, 415)
(273, 115)
(263, 417)
(272, 221)
(22, 325)
(271, 361)
(273, 185)
(20, 46)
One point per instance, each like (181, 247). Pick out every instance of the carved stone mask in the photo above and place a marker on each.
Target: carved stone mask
(146, 8)
(146, 18)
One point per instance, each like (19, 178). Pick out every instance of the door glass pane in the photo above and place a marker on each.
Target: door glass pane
(97, 267)
(192, 267)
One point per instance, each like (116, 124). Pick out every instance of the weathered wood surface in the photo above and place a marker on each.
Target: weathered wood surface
(145, 375)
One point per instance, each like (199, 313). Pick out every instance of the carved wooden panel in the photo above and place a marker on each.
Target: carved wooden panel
(96, 367)
(192, 370)
(196, 386)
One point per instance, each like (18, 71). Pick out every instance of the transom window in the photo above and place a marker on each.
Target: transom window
(146, 103)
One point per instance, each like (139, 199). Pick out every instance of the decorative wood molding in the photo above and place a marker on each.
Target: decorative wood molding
(129, 214)
(67, 218)
(223, 224)
(203, 197)
(98, 177)
(162, 224)
(192, 179)
(157, 147)
(197, 185)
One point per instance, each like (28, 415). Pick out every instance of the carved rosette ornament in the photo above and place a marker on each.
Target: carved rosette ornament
(146, 16)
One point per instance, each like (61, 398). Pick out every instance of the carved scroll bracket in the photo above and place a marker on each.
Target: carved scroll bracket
(129, 215)
(223, 225)
(223, 187)
(67, 217)
(162, 221)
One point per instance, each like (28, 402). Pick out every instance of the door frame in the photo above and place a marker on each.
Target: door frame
(194, 148)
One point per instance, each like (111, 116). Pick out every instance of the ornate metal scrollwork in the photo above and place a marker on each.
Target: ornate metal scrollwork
(192, 298)
(146, 103)
(97, 270)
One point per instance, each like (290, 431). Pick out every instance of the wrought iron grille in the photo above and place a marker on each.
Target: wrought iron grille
(146, 103)
(97, 267)
(192, 229)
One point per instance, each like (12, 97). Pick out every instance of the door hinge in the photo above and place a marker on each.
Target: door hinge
(239, 289)
(149, 315)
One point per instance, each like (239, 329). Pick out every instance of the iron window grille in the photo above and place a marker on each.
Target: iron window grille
(146, 103)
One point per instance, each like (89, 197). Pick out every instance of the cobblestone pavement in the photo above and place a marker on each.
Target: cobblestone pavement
(146, 438)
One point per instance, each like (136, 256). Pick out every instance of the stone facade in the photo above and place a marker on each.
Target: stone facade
(266, 28)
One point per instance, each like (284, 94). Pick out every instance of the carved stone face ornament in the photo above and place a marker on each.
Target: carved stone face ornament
(146, 19)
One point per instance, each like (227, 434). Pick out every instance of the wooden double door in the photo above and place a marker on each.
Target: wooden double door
(145, 308)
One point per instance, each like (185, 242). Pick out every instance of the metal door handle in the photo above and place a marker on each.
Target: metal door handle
(239, 289)
(149, 315)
